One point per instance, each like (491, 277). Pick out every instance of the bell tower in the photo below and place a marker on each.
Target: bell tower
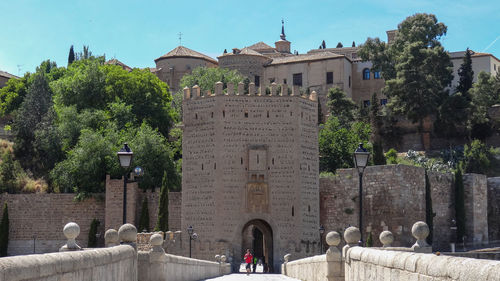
(282, 45)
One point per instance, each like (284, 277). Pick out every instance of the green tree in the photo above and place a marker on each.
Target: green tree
(12, 95)
(4, 231)
(455, 109)
(478, 157)
(340, 106)
(35, 106)
(376, 125)
(337, 143)
(369, 240)
(71, 56)
(416, 67)
(206, 77)
(47, 145)
(485, 93)
(339, 45)
(162, 222)
(92, 238)
(144, 218)
(7, 172)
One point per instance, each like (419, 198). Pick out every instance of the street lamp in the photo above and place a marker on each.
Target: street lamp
(361, 156)
(192, 236)
(125, 156)
(321, 231)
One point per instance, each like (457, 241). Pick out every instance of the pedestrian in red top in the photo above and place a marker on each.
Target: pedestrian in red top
(249, 260)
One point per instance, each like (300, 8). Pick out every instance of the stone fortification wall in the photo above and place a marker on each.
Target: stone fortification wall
(394, 198)
(247, 158)
(376, 265)
(116, 263)
(44, 216)
(494, 209)
(174, 208)
(114, 202)
(476, 208)
(442, 194)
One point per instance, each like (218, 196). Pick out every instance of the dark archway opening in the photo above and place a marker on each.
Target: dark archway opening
(257, 236)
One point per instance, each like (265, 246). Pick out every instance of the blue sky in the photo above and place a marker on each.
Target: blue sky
(136, 32)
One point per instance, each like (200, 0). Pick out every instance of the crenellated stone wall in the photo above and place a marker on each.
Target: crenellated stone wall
(250, 159)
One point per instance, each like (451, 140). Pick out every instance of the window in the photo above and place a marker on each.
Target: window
(383, 101)
(284, 81)
(366, 74)
(366, 103)
(329, 78)
(257, 80)
(271, 80)
(297, 79)
(349, 81)
(376, 75)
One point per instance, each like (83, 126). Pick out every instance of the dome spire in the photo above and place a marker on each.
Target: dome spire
(282, 36)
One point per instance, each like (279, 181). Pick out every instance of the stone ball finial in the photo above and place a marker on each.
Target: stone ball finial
(420, 230)
(223, 258)
(111, 237)
(287, 257)
(333, 238)
(352, 235)
(386, 238)
(127, 233)
(71, 230)
(156, 240)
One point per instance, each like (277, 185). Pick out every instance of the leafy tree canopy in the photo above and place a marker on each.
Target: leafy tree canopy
(206, 77)
(340, 106)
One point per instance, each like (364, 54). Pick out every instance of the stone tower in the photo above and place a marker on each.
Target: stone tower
(250, 173)
(282, 45)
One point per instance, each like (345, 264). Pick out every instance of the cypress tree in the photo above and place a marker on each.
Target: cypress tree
(459, 204)
(162, 223)
(465, 74)
(376, 124)
(71, 56)
(92, 239)
(369, 240)
(353, 44)
(144, 218)
(4, 231)
(323, 45)
(339, 45)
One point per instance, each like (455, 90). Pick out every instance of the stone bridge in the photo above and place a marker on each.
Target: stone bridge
(121, 260)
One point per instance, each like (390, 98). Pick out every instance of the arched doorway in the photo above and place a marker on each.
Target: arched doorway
(257, 236)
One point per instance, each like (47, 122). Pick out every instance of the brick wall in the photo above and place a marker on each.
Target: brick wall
(442, 193)
(45, 215)
(114, 203)
(174, 208)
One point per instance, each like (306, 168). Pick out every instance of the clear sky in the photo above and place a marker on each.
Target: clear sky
(136, 32)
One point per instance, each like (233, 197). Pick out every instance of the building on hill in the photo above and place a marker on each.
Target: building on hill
(480, 62)
(119, 63)
(180, 61)
(4, 77)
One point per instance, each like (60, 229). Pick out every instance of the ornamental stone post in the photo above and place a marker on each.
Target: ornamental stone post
(386, 238)
(71, 231)
(111, 238)
(352, 235)
(156, 258)
(420, 231)
(334, 270)
(128, 235)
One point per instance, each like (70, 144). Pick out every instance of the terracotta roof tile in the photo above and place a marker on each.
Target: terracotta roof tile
(7, 75)
(119, 63)
(305, 57)
(182, 51)
(260, 46)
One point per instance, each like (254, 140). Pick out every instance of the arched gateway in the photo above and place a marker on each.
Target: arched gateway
(257, 236)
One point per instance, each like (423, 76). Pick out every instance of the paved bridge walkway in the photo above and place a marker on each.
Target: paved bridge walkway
(253, 277)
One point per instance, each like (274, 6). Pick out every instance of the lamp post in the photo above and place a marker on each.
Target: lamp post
(321, 231)
(192, 236)
(125, 156)
(361, 156)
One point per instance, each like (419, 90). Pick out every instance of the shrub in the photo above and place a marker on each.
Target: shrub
(378, 154)
(392, 156)
(477, 157)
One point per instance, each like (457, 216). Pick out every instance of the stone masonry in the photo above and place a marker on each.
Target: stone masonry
(476, 208)
(494, 209)
(250, 158)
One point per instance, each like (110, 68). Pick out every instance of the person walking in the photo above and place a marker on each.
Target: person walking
(249, 260)
(254, 264)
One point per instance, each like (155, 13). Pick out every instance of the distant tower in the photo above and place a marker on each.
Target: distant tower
(282, 45)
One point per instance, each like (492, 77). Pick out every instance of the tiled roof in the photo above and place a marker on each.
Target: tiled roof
(7, 75)
(119, 63)
(182, 51)
(305, 57)
(461, 54)
(260, 46)
(245, 51)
